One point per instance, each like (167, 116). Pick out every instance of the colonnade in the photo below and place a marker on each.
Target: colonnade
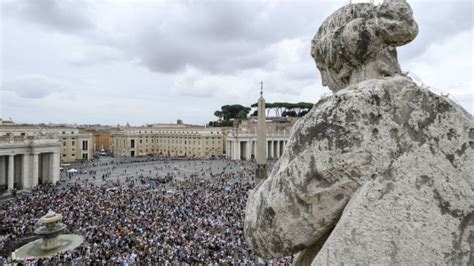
(247, 149)
(26, 170)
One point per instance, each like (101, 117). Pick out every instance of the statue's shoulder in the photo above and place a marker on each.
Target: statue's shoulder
(397, 96)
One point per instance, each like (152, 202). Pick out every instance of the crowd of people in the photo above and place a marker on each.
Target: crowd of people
(199, 221)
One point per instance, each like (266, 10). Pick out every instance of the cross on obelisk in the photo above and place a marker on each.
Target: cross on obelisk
(261, 139)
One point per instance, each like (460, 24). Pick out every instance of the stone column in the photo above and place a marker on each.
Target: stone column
(278, 148)
(254, 146)
(34, 170)
(237, 150)
(282, 146)
(248, 148)
(51, 167)
(54, 170)
(232, 150)
(25, 171)
(267, 150)
(11, 169)
(226, 149)
(272, 153)
(3, 166)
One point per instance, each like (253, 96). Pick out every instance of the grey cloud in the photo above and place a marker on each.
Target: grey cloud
(32, 86)
(66, 16)
(437, 20)
(168, 55)
(224, 36)
(217, 36)
(231, 44)
(94, 55)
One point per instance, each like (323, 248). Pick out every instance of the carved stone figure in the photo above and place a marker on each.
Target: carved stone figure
(358, 42)
(382, 171)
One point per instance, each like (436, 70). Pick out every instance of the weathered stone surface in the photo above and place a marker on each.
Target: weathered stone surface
(383, 169)
(358, 42)
(381, 172)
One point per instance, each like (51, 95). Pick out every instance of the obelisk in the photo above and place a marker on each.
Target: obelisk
(261, 139)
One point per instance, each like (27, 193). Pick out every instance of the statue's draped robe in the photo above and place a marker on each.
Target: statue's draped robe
(380, 172)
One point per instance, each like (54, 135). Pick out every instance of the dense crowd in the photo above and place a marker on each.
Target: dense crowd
(199, 221)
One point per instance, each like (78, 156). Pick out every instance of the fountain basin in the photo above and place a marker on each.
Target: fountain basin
(35, 248)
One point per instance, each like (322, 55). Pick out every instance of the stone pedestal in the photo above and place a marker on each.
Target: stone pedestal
(50, 243)
(261, 173)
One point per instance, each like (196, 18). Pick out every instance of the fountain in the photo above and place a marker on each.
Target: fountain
(51, 240)
(50, 230)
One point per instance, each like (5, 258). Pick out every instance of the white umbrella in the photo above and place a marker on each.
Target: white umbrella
(72, 170)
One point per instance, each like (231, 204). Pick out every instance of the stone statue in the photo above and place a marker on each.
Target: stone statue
(358, 42)
(382, 171)
(10, 137)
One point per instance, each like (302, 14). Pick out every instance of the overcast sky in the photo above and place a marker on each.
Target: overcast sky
(112, 62)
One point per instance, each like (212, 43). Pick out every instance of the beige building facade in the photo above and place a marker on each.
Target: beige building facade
(241, 141)
(26, 161)
(101, 138)
(75, 144)
(169, 141)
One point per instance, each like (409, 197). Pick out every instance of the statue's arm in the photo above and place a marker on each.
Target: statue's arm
(301, 201)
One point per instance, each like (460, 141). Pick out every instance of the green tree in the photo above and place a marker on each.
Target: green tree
(228, 112)
(234, 111)
(218, 114)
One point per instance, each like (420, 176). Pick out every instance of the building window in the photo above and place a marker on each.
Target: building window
(85, 146)
(132, 144)
(73, 143)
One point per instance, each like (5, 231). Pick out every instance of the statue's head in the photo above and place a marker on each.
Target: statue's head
(358, 42)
